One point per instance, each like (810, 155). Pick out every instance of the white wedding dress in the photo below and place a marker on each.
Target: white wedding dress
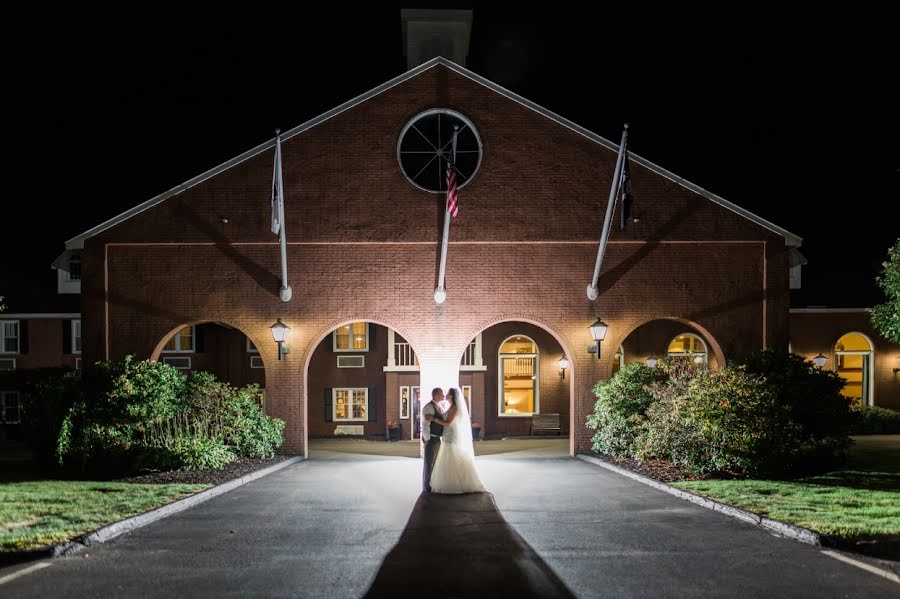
(454, 468)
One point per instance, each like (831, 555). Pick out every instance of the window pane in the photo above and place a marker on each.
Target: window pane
(359, 404)
(518, 345)
(11, 336)
(518, 385)
(342, 337)
(75, 270)
(341, 405)
(186, 339)
(170, 344)
(76, 336)
(359, 335)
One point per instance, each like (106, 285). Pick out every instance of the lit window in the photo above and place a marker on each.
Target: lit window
(182, 341)
(350, 404)
(9, 407)
(853, 359)
(10, 337)
(689, 346)
(76, 336)
(518, 381)
(352, 337)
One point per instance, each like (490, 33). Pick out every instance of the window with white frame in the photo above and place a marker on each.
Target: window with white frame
(182, 341)
(9, 407)
(9, 337)
(76, 336)
(519, 377)
(352, 337)
(689, 346)
(350, 404)
(74, 273)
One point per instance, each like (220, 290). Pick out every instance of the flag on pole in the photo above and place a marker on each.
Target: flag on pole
(277, 194)
(625, 192)
(452, 195)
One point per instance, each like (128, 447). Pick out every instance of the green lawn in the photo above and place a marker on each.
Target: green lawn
(862, 500)
(38, 513)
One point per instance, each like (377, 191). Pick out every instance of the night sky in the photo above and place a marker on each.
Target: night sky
(788, 114)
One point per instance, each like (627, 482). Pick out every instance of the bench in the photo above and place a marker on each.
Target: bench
(349, 429)
(545, 422)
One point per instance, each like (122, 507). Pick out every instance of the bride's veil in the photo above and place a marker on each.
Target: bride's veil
(462, 424)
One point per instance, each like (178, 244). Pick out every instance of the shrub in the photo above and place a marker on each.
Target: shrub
(153, 416)
(813, 397)
(872, 420)
(722, 421)
(622, 402)
(236, 414)
(117, 400)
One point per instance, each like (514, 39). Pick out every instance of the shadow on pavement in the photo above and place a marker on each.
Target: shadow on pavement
(460, 546)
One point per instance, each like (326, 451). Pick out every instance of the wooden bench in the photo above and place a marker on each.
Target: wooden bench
(545, 422)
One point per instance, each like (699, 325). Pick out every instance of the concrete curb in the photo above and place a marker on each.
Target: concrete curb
(111, 531)
(798, 533)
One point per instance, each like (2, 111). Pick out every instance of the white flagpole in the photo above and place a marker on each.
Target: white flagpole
(286, 290)
(592, 291)
(440, 294)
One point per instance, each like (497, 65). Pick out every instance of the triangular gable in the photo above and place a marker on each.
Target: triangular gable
(77, 242)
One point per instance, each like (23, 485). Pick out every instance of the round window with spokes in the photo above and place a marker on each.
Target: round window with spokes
(425, 146)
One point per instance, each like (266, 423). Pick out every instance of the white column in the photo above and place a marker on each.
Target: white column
(478, 360)
(392, 360)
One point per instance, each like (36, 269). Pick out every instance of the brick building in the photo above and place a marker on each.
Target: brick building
(364, 226)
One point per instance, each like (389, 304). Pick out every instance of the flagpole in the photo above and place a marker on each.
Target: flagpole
(592, 291)
(440, 294)
(285, 292)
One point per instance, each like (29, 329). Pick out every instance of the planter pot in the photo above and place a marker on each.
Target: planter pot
(395, 434)
(476, 433)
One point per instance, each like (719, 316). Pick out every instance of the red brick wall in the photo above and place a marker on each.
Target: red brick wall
(815, 333)
(363, 245)
(45, 345)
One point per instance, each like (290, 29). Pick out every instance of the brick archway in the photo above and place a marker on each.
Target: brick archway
(563, 342)
(319, 336)
(714, 347)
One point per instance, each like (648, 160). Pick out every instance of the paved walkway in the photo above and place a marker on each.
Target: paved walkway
(348, 525)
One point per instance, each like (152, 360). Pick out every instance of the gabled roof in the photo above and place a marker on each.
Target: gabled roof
(77, 242)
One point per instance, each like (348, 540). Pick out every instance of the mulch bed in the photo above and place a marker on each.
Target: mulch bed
(233, 470)
(660, 470)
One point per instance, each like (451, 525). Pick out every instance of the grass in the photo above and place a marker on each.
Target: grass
(38, 513)
(860, 501)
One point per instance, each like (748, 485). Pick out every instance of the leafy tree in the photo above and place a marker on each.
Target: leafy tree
(886, 316)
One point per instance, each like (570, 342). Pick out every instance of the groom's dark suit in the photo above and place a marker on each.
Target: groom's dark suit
(431, 435)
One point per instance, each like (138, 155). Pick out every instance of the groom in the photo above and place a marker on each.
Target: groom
(431, 434)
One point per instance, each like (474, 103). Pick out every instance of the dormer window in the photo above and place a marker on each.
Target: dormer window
(74, 271)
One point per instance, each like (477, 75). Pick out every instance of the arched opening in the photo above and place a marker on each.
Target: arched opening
(668, 338)
(511, 374)
(215, 347)
(690, 347)
(854, 361)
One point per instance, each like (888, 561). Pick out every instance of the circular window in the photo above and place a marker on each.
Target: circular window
(426, 143)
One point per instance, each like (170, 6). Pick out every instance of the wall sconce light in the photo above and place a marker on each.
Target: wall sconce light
(896, 370)
(563, 364)
(279, 333)
(820, 360)
(651, 361)
(598, 333)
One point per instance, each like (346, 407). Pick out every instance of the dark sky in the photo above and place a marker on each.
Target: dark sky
(790, 114)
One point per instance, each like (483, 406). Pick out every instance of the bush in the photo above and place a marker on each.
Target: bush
(153, 416)
(118, 399)
(872, 420)
(237, 415)
(622, 402)
(773, 413)
(722, 421)
(814, 398)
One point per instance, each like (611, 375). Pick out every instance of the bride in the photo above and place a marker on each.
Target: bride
(454, 468)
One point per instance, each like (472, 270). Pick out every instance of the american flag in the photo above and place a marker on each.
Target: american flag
(625, 191)
(452, 195)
